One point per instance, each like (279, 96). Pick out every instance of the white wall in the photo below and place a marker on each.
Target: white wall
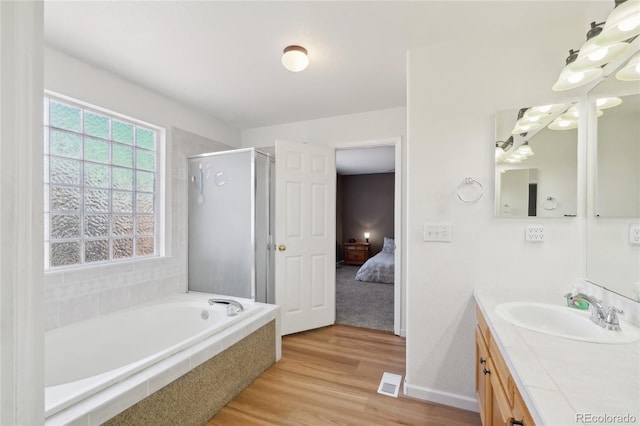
(454, 91)
(331, 130)
(78, 294)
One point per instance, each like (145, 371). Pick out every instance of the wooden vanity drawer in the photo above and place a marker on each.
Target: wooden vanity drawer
(501, 409)
(520, 412)
(501, 369)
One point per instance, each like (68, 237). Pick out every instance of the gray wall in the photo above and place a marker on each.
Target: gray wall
(365, 203)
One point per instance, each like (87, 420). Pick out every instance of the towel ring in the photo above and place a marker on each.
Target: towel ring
(550, 204)
(469, 184)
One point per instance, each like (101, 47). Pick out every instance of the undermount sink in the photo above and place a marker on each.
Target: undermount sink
(563, 322)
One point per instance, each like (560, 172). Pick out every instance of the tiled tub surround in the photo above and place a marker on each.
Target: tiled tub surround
(207, 350)
(562, 381)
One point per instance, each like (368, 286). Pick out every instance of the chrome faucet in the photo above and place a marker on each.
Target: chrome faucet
(233, 306)
(604, 317)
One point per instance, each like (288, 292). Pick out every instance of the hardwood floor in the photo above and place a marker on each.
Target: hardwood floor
(330, 376)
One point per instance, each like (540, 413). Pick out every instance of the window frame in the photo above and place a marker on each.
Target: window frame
(158, 192)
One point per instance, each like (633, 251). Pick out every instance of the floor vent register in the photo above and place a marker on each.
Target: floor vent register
(390, 384)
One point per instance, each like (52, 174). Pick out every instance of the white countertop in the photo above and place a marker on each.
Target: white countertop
(567, 382)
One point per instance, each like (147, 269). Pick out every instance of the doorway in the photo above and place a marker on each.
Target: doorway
(369, 291)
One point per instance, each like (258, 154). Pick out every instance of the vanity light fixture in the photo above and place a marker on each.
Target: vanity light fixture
(570, 79)
(294, 58)
(502, 147)
(604, 43)
(547, 109)
(525, 150)
(622, 24)
(604, 103)
(366, 236)
(631, 71)
(563, 124)
(592, 54)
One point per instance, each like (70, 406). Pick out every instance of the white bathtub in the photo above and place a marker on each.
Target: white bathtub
(84, 359)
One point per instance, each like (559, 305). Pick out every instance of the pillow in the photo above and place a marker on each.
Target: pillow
(389, 245)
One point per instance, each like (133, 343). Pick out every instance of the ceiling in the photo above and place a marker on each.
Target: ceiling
(223, 57)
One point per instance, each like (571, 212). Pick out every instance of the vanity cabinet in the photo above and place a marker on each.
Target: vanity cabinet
(499, 400)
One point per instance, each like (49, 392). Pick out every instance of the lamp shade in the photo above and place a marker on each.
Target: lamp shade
(622, 24)
(367, 234)
(631, 71)
(563, 124)
(525, 150)
(593, 55)
(294, 58)
(604, 103)
(570, 79)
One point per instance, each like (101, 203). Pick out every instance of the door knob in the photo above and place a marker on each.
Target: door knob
(282, 247)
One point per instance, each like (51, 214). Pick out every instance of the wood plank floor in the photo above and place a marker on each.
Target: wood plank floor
(330, 376)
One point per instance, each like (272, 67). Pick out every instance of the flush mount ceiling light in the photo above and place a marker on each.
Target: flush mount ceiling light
(631, 71)
(294, 58)
(622, 24)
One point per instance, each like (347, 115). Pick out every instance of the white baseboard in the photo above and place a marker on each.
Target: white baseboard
(441, 397)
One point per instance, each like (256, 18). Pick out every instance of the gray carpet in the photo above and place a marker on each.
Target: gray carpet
(363, 304)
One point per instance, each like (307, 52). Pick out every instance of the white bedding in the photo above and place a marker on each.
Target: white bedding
(378, 269)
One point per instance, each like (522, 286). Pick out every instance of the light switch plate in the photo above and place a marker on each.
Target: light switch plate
(437, 232)
(535, 233)
(634, 235)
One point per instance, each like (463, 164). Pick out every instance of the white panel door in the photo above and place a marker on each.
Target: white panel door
(305, 235)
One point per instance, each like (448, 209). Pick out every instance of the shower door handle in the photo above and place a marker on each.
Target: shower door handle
(282, 247)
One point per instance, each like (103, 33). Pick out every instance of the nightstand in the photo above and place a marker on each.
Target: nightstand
(356, 253)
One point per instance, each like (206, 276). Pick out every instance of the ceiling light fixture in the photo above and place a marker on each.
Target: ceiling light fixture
(294, 58)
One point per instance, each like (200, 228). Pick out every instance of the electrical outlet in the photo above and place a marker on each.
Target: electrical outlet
(438, 232)
(634, 235)
(535, 233)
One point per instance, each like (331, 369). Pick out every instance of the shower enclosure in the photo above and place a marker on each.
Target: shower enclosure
(230, 223)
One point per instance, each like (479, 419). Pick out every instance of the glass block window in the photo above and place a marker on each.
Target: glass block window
(101, 183)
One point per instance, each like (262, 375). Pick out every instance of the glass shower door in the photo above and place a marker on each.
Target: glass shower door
(221, 223)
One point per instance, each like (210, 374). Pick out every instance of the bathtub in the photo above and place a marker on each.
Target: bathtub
(86, 361)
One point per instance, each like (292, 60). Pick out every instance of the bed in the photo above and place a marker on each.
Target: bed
(379, 268)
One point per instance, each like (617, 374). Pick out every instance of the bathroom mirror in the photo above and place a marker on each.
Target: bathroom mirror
(618, 158)
(536, 161)
(613, 261)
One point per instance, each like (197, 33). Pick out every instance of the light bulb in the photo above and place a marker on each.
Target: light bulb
(564, 123)
(629, 24)
(295, 58)
(598, 54)
(575, 77)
